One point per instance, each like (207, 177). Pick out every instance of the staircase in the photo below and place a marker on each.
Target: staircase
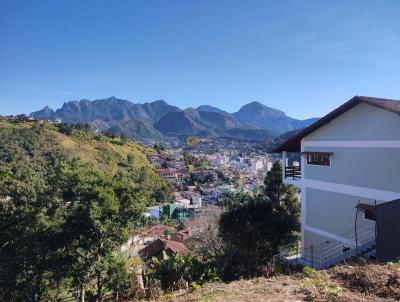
(332, 253)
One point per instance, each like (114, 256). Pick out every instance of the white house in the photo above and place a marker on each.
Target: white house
(350, 168)
(196, 199)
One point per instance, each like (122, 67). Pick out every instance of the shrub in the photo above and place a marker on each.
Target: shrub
(177, 271)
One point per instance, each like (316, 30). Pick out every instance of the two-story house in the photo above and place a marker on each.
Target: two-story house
(349, 179)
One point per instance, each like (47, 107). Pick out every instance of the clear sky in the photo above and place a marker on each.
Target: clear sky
(303, 57)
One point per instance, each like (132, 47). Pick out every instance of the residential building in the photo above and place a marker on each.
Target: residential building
(161, 248)
(257, 165)
(196, 200)
(349, 171)
(171, 175)
(180, 210)
(154, 212)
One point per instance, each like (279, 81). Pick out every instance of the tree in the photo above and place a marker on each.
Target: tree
(100, 213)
(174, 271)
(280, 193)
(255, 226)
(159, 148)
(62, 219)
(208, 243)
(30, 219)
(192, 141)
(124, 137)
(117, 277)
(131, 158)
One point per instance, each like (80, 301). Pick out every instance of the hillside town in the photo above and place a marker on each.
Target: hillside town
(199, 151)
(202, 176)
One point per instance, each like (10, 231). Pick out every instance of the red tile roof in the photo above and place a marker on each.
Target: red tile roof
(175, 247)
(181, 236)
(293, 144)
(387, 104)
(157, 230)
(159, 245)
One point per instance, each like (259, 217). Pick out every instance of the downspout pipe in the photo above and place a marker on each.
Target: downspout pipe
(355, 226)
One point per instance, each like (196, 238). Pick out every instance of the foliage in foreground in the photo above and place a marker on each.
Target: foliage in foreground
(356, 283)
(176, 271)
(61, 217)
(242, 242)
(255, 226)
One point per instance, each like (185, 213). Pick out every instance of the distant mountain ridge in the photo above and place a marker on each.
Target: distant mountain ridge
(263, 117)
(158, 120)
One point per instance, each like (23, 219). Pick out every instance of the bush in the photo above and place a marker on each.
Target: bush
(317, 285)
(177, 271)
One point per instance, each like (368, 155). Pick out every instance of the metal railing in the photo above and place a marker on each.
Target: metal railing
(293, 172)
(333, 252)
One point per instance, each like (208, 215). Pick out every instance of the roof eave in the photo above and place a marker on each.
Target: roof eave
(293, 144)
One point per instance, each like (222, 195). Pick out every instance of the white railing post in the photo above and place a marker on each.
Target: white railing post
(284, 164)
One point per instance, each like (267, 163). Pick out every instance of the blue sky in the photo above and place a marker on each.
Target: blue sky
(303, 57)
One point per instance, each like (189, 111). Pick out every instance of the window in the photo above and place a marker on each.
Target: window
(318, 158)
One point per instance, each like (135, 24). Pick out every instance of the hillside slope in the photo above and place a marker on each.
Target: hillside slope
(33, 142)
(343, 283)
(208, 124)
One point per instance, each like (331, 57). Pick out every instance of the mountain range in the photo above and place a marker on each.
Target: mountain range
(159, 121)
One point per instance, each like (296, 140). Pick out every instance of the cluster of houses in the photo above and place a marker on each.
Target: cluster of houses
(186, 206)
(250, 170)
(227, 171)
(159, 241)
(23, 118)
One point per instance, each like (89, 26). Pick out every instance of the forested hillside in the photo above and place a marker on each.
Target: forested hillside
(30, 146)
(69, 198)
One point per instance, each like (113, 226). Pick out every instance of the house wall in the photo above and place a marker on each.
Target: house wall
(365, 166)
(334, 212)
(362, 122)
(362, 167)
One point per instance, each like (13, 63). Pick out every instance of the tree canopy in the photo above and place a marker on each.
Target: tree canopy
(255, 226)
(62, 218)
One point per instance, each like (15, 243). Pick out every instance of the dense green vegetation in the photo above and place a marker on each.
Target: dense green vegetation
(111, 154)
(193, 163)
(242, 242)
(253, 227)
(66, 203)
(69, 198)
(175, 271)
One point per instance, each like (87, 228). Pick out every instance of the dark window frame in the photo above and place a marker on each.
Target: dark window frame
(319, 158)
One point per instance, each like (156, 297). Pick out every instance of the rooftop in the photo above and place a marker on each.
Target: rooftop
(293, 144)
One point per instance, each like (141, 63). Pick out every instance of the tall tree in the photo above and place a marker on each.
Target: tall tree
(281, 194)
(100, 213)
(255, 226)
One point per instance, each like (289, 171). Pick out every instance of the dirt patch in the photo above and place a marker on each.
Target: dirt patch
(340, 284)
(371, 280)
(282, 288)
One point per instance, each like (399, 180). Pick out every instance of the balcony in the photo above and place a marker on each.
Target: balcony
(293, 172)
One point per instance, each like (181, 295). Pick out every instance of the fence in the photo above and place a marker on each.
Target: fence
(293, 172)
